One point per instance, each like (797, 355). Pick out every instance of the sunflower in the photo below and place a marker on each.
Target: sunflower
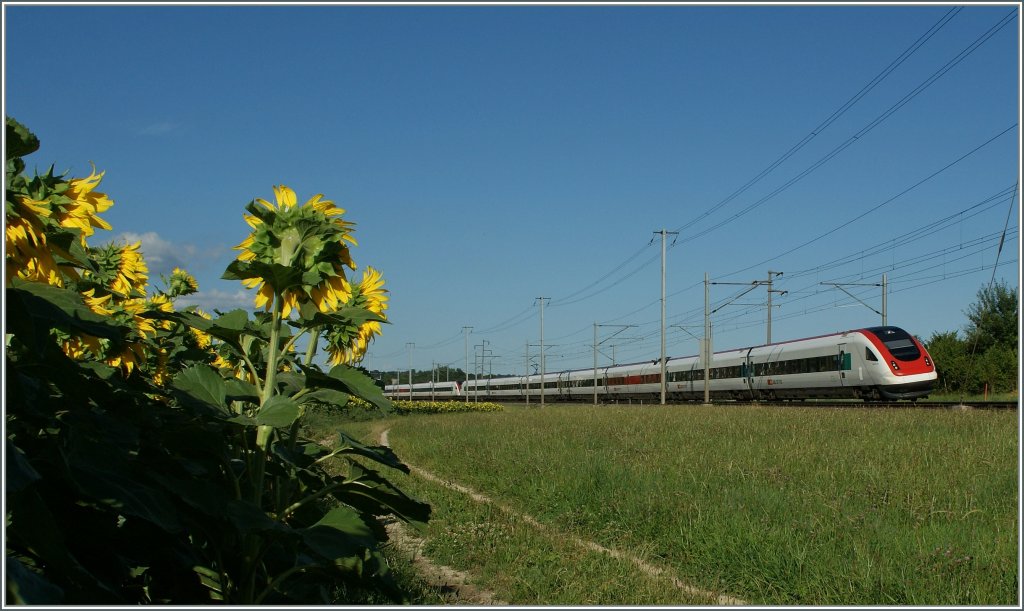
(311, 239)
(182, 283)
(84, 205)
(127, 357)
(161, 303)
(121, 269)
(28, 256)
(348, 343)
(160, 373)
(132, 272)
(202, 338)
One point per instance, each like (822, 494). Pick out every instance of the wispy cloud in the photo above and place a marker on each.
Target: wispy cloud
(216, 299)
(161, 255)
(158, 129)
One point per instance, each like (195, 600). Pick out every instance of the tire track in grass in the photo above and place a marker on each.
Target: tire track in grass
(440, 576)
(639, 563)
(457, 583)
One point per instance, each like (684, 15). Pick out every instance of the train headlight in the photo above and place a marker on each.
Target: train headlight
(927, 361)
(895, 367)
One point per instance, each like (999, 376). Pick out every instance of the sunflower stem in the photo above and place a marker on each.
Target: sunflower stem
(314, 337)
(264, 432)
(252, 369)
(273, 351)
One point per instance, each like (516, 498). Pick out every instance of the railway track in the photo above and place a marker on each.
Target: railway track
(987, 405)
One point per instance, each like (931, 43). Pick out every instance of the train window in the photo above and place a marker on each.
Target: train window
(898, 342)
(869, 354)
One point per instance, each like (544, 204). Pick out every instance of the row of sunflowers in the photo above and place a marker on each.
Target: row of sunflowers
(431, 407)
(155, 454)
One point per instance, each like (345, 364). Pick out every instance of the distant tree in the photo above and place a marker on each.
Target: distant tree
(995, 369)
(987, 355)
(992, 319)
(950, 356)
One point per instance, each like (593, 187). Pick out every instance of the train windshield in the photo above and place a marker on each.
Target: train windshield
(898, 341)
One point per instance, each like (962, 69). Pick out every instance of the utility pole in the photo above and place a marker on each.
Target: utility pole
(885, 290)
(753, 285)
(770, 291)
(706, 351)
(663, 234)
(542, 369)
(466, 331)
(527, 378)
(885, 299)
(410, 346)
(483, 355)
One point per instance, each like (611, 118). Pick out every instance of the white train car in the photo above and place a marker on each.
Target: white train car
(424, 391)
(875, 363)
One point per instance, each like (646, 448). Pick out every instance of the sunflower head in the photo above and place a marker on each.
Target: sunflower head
(348, 343)
(28, 254)
(81, 204)
(296, 252)
(181, 283)
(121, 269)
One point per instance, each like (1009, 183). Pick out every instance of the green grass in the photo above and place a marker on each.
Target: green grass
(772, 505)
(968, 398)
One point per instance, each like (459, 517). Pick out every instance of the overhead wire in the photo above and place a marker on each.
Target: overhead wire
(586, 293)
(867, 128)
(878, 206)
(907, 53)
(821, 127)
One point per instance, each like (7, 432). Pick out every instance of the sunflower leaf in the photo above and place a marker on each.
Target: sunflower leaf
(280, 277)
(279, 411)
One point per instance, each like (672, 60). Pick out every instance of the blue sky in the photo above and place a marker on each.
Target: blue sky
(490, 155)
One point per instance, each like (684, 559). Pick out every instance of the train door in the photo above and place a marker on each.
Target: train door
(747, 371)
(844, 363)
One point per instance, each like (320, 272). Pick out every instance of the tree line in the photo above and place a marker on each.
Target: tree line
(985, 356)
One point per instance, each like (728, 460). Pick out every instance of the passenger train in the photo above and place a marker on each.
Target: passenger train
(873, 364)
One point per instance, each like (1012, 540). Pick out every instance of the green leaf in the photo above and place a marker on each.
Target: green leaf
(279, 276)
(290, 382)
(35, 308)
(202, 494)
(350, 380)
(368, 491)
(227, 327)
(329, 396)
(279, 411)
(381, 454)
(248, 518)
(340, 534)
(105, 474)
(25, 587)
(348, 315)
(20, 141)
(201, 385)
(240, 390)
(18, 472)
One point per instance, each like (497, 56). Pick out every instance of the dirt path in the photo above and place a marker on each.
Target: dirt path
(456, 583)
(639, 563)
(456, 586)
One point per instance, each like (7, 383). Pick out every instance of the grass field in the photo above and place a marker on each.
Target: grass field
(770, 505)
